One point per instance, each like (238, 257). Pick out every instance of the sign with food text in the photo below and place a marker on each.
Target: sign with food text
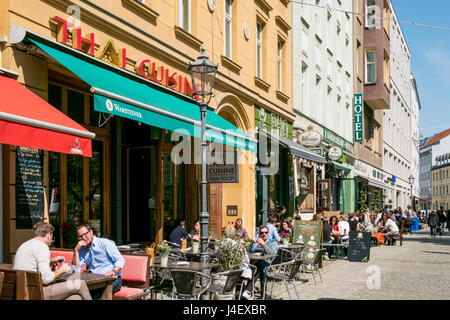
(358, 117)
(29, 187)
(308, 233)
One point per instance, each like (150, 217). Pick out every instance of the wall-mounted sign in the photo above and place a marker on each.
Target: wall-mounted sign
(334, 139)
(144, 67)
(310, 138)
(335, 153)
(358, 117)
(273, 123)
(232, 211)
(223, 172)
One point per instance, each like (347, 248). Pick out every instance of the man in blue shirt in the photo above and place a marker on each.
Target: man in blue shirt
(100, 255)
(273, 232)
(261, 244)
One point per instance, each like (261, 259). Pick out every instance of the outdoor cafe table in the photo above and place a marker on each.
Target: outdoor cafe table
(191, 265)
(94, 281)
(191, 255)
(260, 257)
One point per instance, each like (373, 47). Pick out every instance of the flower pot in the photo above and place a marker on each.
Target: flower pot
(285, 241)
(195, 246)
(164, 261)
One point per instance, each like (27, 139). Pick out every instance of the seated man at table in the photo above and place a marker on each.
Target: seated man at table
(390, 228)
(34, 255)
(100, 255)
(263, 245)
(179, 233)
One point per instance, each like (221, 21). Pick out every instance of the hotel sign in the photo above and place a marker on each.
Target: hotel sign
(358, 117)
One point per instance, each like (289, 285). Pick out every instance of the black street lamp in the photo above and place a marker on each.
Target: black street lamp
(411, 182)
(203, 74)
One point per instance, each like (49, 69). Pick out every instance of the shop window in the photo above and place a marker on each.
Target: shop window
(75, 105)
(55, 96)
(96, 186)
(54, 181)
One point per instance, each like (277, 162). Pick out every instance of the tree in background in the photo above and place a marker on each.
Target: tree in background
(362, 200)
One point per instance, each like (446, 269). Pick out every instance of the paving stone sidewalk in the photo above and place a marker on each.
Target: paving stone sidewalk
(420, 269)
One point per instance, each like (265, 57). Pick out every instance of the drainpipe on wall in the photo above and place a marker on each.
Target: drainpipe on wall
(3, 40)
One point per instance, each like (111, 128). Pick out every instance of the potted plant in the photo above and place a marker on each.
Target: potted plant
(164, 251)
(195, 241)
(229, 250)
(285, 238)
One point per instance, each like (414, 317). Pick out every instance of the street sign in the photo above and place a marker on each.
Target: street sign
(358, 117)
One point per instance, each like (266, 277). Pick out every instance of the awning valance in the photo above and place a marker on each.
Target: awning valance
(338, 166)
(122, 93)
(295, 148)
(29, 121)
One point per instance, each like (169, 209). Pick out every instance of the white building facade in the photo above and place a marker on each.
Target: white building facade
(322, 76)
(397, 122)
(415, 107)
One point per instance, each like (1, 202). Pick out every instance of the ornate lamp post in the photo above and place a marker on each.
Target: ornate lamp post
(411, 182)
(203, 74)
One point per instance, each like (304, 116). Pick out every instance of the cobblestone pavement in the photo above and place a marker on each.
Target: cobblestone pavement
(420, 269)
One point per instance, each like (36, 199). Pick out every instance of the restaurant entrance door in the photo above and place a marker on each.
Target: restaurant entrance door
(141, 194)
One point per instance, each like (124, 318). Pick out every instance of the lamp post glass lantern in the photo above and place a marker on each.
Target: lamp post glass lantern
(411, 181)
(203, 74)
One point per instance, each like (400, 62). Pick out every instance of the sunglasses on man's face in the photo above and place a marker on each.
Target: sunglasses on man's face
(264, 232)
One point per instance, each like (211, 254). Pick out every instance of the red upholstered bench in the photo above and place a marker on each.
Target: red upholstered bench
(66, 253)
(135, 277)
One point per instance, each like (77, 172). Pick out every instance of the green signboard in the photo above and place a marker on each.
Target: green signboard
(358, 117)
(334, 139)
(273, 123)
(310, 234)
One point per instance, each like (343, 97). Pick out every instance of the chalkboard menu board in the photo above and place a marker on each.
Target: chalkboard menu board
(29, 187)
(359, 246)
(310, 234)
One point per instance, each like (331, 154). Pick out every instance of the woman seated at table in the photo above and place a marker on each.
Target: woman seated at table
(335, 233)
(241, 233)
(285, 228)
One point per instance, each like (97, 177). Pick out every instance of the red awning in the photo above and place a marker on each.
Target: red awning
(29, 121)
(425, 200)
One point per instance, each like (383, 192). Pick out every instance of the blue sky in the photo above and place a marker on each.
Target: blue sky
(430, 59)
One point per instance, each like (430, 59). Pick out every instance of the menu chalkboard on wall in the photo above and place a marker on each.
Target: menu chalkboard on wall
(359, 246)
(29, 187)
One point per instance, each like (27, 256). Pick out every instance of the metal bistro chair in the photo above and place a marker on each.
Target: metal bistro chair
(241, 282)
(284, 272)
(315, 265)
(284, 255)
(229, 287)
(186, 283)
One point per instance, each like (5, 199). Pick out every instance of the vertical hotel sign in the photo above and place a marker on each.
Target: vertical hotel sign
(358, 117)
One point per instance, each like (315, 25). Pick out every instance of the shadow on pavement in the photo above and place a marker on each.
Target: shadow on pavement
(438, 252)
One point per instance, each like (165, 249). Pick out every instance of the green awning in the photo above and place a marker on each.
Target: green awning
(337, 166)
(124, 94)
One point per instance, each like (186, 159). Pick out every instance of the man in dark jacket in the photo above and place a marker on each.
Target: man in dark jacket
(442, 218)
(179, 233)
(433, 221)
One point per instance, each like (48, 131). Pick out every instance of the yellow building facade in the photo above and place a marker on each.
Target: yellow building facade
(249, 40)
(440, 186)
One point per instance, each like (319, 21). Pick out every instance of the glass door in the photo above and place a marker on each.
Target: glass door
(141, 194)
(323, 195)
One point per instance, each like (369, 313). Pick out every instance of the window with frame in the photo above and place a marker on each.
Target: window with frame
(228, 28)
(371, 67)
(304, 85)
(184, 15)
(280, 65)
(370, 14)
(259, 49)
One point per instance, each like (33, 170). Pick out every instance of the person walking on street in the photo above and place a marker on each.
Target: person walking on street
(433, 222)
(442, 218)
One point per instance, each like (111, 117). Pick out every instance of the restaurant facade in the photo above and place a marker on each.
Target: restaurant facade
(120, 71)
